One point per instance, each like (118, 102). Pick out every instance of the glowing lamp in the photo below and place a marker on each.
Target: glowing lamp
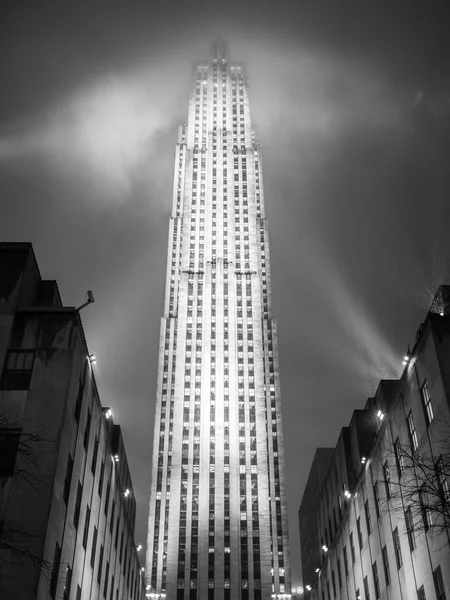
(126, 493)
(92, 359)
(308, 587)
(380, 415)
(325, 548)
(138, 548)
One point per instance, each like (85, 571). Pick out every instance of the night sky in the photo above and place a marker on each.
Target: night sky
(351, 103)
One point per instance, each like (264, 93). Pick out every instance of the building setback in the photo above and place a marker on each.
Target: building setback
(218, 517)
(382, 525)
(67, 508)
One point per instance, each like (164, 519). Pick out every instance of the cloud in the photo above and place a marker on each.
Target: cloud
(102, 133)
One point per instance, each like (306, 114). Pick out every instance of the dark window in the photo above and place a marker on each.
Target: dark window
(399, 458)
(352, 548)
(67, 583)
(68, 478)
(376, 499)
(100, 565)
(387, 479)
(87, 430)
(108, 492)
(439, 584)
(94, 456)
(421, 594)
(387, 572)
(397, 548)
(105, 587)
(345, 562)
(376, 580)
(339, 572)
(360, 537)
(18, 370)
(101, 478)
(78, 596)
(94, 546)
(425, 510)
(368, 521)
(111, 523)
(366, 588)
(410, 528)
(76, 514)
(86, 527)
(9, 447)
(55, 570)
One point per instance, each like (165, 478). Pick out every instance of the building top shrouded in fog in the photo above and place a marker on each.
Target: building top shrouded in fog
(67, 508)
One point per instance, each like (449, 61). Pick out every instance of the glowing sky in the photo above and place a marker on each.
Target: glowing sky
(351, 104)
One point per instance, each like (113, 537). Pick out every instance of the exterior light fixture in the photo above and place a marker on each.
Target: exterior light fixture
(325, 548)
(363, 460)
(116, 458)
(108, 413)
(126, 493)
(347, 494)
(308, 587)
(92, 359)
(317, 570)
(139, 548)
(380, 415)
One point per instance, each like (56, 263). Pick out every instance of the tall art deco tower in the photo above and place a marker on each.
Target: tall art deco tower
(218, 519)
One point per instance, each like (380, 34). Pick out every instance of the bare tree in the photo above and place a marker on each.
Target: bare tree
(416, 479)
(21, 453)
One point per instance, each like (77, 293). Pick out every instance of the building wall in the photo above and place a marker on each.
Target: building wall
(308, 512)
(67, 527)
(370, 519)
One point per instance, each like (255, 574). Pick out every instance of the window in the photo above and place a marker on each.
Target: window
(425, 510)
(387, 479)
(345, 561)
(398, 457)
(441, 473)
(100, 565)
(376, 580)
(87, 431)
(100, 480)
(439, 584)
(367, 512)
(67, 583)
(55, 570)
(68, 478)
(358, 595)
(360, 536)
(339, 572)
(421, 593)
(76, 514)
(366, 588)
(427, 406)
(376, 500)
(352, 548)
(397, 548)
(9, 447)
(94, 456)
(410, 528)
(94, 547)
(387, 572)
(86, 527)
(412, 432)
(18, 370)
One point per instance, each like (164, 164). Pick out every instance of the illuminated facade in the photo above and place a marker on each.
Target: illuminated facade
(218, 517)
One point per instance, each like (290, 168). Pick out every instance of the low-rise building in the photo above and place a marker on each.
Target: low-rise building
(383, 513)
(67, 507)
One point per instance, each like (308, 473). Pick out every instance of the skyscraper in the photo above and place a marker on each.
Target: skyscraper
(218, 518)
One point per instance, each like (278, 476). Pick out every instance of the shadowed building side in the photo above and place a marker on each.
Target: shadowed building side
(67, 508)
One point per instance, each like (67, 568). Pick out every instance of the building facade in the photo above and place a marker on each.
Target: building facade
(308, 512)
(218, 518)
(383, 521)
(67, 508)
